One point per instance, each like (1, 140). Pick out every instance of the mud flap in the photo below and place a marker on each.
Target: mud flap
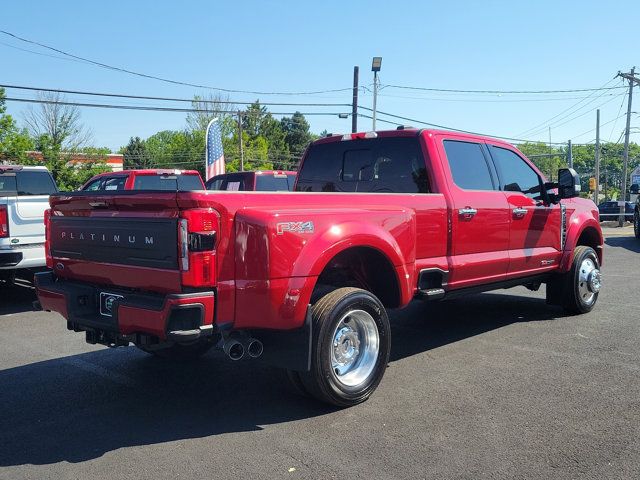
(556, 290)
(289, 349)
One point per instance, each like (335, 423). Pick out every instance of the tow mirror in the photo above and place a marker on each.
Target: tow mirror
(568, 183)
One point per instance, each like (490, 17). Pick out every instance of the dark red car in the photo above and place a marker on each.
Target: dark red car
(262, 181)
(150, 179)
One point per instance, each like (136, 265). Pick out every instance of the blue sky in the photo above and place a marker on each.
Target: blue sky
(306, 46)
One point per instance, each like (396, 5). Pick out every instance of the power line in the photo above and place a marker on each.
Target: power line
(162, 79)
(172, 99)
(546, 122)
(619, 111)
(505, 100)
(556, 124)
(455, 129)
(516, 92)
(148, 108)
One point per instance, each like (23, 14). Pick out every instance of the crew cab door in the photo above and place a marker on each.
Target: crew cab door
(535, 228)
(479, 218)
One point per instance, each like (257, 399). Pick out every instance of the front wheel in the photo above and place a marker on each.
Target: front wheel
(583, 281)
(636, 223)
(350, 349)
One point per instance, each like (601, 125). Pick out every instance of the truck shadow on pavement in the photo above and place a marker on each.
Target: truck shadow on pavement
(16, 298)
(79, 407)
(630, 243)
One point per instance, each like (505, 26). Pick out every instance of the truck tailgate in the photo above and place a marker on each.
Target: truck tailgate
(128, 239)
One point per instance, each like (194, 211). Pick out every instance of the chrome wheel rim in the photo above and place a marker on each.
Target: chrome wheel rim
(354, 348)
(589, 280)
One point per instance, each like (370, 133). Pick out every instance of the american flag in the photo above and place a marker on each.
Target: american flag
(214, 154)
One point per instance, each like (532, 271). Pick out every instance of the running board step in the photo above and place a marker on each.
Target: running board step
(432, 293)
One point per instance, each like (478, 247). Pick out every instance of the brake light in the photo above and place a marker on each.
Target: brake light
(360, 135)
(4, 221)
(197, 242)
(47, 238)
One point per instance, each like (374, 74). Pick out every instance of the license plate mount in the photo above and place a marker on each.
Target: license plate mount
(106, 303)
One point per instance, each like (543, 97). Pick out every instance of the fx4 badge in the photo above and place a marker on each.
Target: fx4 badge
(294, 227)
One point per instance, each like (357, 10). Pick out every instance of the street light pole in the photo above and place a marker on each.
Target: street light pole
(375, 68)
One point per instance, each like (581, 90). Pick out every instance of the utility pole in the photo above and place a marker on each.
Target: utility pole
(354, 103)
(632, 78)
(597, 172)
(240, 141)
(569, 154)
(376, 64)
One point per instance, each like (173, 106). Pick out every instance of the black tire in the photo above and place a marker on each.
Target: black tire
(180, 352)
(323, 380)
(576, 301)
(636, 223)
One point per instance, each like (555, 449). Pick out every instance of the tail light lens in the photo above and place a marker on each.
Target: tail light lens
(4, 221)
(47, 237)
(197, 242)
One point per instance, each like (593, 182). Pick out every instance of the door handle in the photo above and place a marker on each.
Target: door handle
(467, 212)
(520, 212)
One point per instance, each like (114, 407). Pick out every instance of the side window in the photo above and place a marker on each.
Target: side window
(93, 186)
(215, 183)
(515, 174)
(114, 183)
(35, 183)
(468, 165)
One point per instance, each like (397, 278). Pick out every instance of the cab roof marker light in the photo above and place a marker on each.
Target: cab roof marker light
(347, 136)
(371, 135)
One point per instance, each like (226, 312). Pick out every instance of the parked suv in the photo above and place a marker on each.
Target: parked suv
(24, 196)
(611, 211)
(151, 179)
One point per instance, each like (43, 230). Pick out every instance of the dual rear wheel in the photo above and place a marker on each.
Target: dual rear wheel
(350, 348)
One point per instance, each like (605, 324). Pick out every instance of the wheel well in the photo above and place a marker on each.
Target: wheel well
(360, 267)
(590, 238)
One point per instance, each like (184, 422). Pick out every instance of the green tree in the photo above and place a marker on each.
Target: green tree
(297, 134)
(181, 149)
(135, 154)
(13, 141)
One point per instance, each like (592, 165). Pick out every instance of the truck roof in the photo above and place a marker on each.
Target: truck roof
(15, 168)
(406, 132)
(149, 171)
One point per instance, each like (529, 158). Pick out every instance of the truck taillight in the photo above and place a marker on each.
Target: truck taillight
(197, 241)
(4, 221)
(47, 237)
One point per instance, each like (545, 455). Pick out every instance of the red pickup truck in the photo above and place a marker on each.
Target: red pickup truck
(145, 179)
(304, 278)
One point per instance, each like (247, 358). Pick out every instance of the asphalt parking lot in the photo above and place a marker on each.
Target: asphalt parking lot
(496, 385)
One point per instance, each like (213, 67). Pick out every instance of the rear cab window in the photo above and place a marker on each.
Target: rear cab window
(272, 182)
(376, 165)
(167, 182)
(30, 182)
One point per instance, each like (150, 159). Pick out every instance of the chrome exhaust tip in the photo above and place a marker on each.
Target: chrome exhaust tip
(255, 348)
(234, 349)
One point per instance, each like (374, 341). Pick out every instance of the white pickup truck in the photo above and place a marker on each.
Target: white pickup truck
(24, 196)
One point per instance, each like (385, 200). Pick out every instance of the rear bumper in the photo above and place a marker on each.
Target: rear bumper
(27, 257)
(174, 317)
